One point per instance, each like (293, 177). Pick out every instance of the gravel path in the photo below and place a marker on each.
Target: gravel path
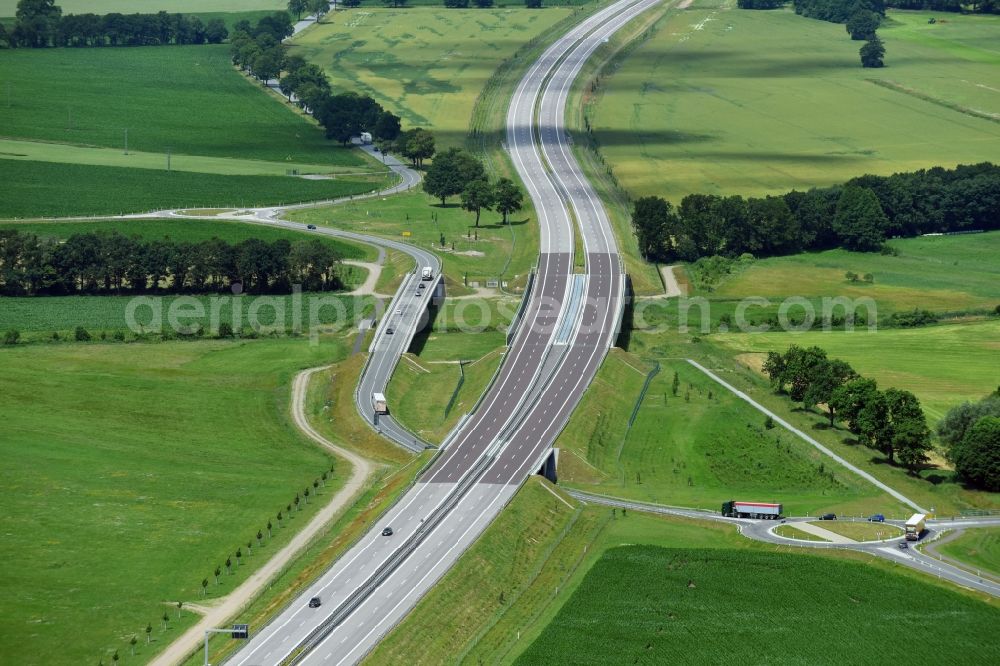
(218, 615)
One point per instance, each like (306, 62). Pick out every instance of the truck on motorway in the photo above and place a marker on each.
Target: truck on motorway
(733, 509)
(915, 526)
(379, 404)
(427, 273)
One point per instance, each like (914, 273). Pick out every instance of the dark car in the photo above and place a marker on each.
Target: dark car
(828, 516)
(421, 285)
(389, 331)
(315, 602)
(310, 226)
(903, 544)
(387, 531)
(877, 518)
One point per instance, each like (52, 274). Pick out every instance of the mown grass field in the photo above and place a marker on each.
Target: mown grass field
(642, 604)
(506, 251)
(937, 273)
(792, 532)
(47, 189)
(942, 365)
(191, 231)
(730, 101)
(698, 448)
(861, 531)
(978, 548)
(130, 472)
(430, 397)
(427, 64)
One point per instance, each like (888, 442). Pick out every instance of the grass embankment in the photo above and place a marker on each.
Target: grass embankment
(330, 409)
(394, 268)
(697, 448)
(427, 64)
(123, 466)
(792, 532)
(646, 604)
(467, 254)
(861, 531)
(801, 112)
(428, 397)
(978, 548)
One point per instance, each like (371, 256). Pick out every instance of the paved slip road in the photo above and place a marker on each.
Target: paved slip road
(450, 507)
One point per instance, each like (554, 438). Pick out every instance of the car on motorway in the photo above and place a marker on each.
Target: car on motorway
(389, 331)
(421, 285)
(876, 518)
(828, 516)
(310, 226)
(315, 602)
(399, 311)
(904, 545)
(387, 531)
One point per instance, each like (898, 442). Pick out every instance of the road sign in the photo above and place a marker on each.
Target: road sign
(241, 631)
(407, 234)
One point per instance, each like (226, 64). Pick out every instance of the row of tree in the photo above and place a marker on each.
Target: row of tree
(859, 215)
(345, 115)
(458, 4)
(840, 11)
(971, 432)
(104, 263)
(889, 421)
(40, 24)
(456, 172)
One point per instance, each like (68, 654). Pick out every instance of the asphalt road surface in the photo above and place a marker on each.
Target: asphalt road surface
(502, 443)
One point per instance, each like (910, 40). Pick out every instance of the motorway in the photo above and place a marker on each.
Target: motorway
(380, 579)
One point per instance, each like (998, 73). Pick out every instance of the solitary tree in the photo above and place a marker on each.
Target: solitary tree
(166, 619)
(319, 8)
(229, 565)
(132, 641)
(297, 7)
(218, 572)
(676, 383)
(269, 529)
(508, 196)
(149, 630)
(204, 586)
(872, 53)
(260, 538)
(239, 556)
(180, 604)
(115, 657)
(476, 196)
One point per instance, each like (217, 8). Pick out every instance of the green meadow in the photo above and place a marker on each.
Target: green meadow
(427, 64)
(130, 472)
(977, 548)
(730, 101)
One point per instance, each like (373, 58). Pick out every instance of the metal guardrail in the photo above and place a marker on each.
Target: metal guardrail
(515, 323)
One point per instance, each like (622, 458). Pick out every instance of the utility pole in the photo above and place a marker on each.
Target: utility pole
(168, 158)
(126, 141)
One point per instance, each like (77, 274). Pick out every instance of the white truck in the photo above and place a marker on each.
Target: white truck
(379, 404)
(366, 138)
(915, 526)
(427, 273)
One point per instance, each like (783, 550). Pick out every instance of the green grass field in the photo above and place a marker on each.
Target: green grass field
(978, 548)
(753, 102)
(792, 532)
(861, 531)
(427, 64)
(509, 250)
(641, 604)
(942, 365)
(41, 189)
(119, 486)
(694, 449)
(191, 231)
(938, 273)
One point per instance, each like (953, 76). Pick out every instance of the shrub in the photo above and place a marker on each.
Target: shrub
(11, 337)
(225, 330)
(81, 334)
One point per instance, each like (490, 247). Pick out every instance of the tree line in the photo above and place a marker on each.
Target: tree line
(971, 431)
(456, 172)
(112, 263)
(41, 24)
(859, 215)
(839, 11)
(258, 51)
(451, 4)
(889, 421)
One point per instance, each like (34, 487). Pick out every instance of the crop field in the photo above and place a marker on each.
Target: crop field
(91, 96)
(697, 448)
(978, 548)
(731, 101)
(426, 64)
(643, 604)
(191, 231)
(115, 506)
(938, 273)
(494, 250)
(8, 7)
(40, 189)
(942, 365)
(429, 397)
